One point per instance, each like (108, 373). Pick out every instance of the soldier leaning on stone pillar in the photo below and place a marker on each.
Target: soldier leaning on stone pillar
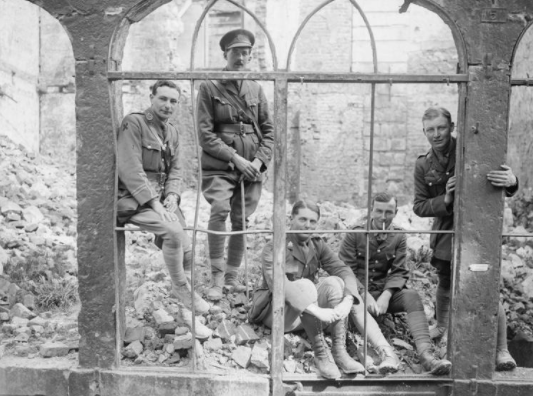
(434, 196)
(148, 189)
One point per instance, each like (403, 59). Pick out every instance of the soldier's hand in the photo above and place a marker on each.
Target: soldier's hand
(383, 302)
(326, 315)
(344, 307)
(162, 212)
(372, 305)
(450, 189)
(249, 171)
(171, 203)
(502, 178)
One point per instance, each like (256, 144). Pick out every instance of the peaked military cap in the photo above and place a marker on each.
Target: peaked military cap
(237, 38)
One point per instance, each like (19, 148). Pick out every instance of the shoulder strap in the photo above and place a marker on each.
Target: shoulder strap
(222, 90)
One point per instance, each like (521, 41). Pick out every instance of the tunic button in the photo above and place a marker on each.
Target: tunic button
(447, 173)
(430, 184)
(149, 146)
(377, 261)
(379, 251)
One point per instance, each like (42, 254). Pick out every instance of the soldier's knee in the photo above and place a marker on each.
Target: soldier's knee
(219, 211)
(412, 301)
(333, 283)
(174, 233)
(306, 289)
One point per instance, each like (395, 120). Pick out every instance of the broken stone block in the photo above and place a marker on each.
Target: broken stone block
(213, 345)
(32, 214)
(259, 356)
(31, 227)
(4, 283)
(215, 309)
(162, 316)
(402, 344)
(239, 300)
(22, 337)
(9, 206)
(37, 329)
(183, 341)
(28, 300)
(167, 328)
(289, 366)
(225, 330)
(133, 334)
(242, 356)
(169, 349)
(18, 322)
(180, 330)
(521, 349)
(4, 317)
(133, 350)
(245, 333)
(38, 321)
(53, 349)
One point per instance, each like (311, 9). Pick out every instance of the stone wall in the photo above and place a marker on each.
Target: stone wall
(334, 119)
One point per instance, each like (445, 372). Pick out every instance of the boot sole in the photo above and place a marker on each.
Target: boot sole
(506, 366)
(388, 370)
(442, 369)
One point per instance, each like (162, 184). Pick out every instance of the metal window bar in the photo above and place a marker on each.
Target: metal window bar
(281, 80)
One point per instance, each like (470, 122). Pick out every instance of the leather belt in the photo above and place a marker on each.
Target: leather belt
(235, 128)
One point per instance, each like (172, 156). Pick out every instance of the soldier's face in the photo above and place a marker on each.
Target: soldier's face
(305, 219)
(383, 213)
(237, 58)
(164, 102)
(438, 132)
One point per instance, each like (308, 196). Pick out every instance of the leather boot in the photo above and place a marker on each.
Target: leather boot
(418, 325)
(217, 282)
(433, 365)
(183, 294)
(389, 360)
(504, 360)
(325, 365)
(202, 332)
(231, 281)
(443, 313)
(338, 350)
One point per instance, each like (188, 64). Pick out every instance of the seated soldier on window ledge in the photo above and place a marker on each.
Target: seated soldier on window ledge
(387, 277)
(148, 189)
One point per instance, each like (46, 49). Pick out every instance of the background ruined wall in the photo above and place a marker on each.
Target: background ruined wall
(332, 121)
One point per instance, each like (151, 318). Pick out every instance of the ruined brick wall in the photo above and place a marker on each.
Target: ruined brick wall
(334, 119)
(520, 145)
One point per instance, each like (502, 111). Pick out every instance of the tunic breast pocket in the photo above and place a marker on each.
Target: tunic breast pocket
(224, 113)
(151, 156)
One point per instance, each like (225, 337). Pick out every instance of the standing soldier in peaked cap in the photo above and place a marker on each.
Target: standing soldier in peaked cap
(148, 189)
(236, 135)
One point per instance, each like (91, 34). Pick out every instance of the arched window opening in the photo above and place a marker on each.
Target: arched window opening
(38, 246)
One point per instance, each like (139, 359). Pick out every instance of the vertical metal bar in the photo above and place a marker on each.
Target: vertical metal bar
(369, 206)
(244, 238)
(279, 220)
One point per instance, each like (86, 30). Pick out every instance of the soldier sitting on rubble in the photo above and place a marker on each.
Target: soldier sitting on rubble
(148, 189)
(313, 306)
(387, 277)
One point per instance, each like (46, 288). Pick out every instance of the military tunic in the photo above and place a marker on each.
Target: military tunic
(386, 261)
(430, 188)
(143, 145)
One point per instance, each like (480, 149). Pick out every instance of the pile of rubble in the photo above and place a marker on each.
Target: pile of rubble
(38, 248)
